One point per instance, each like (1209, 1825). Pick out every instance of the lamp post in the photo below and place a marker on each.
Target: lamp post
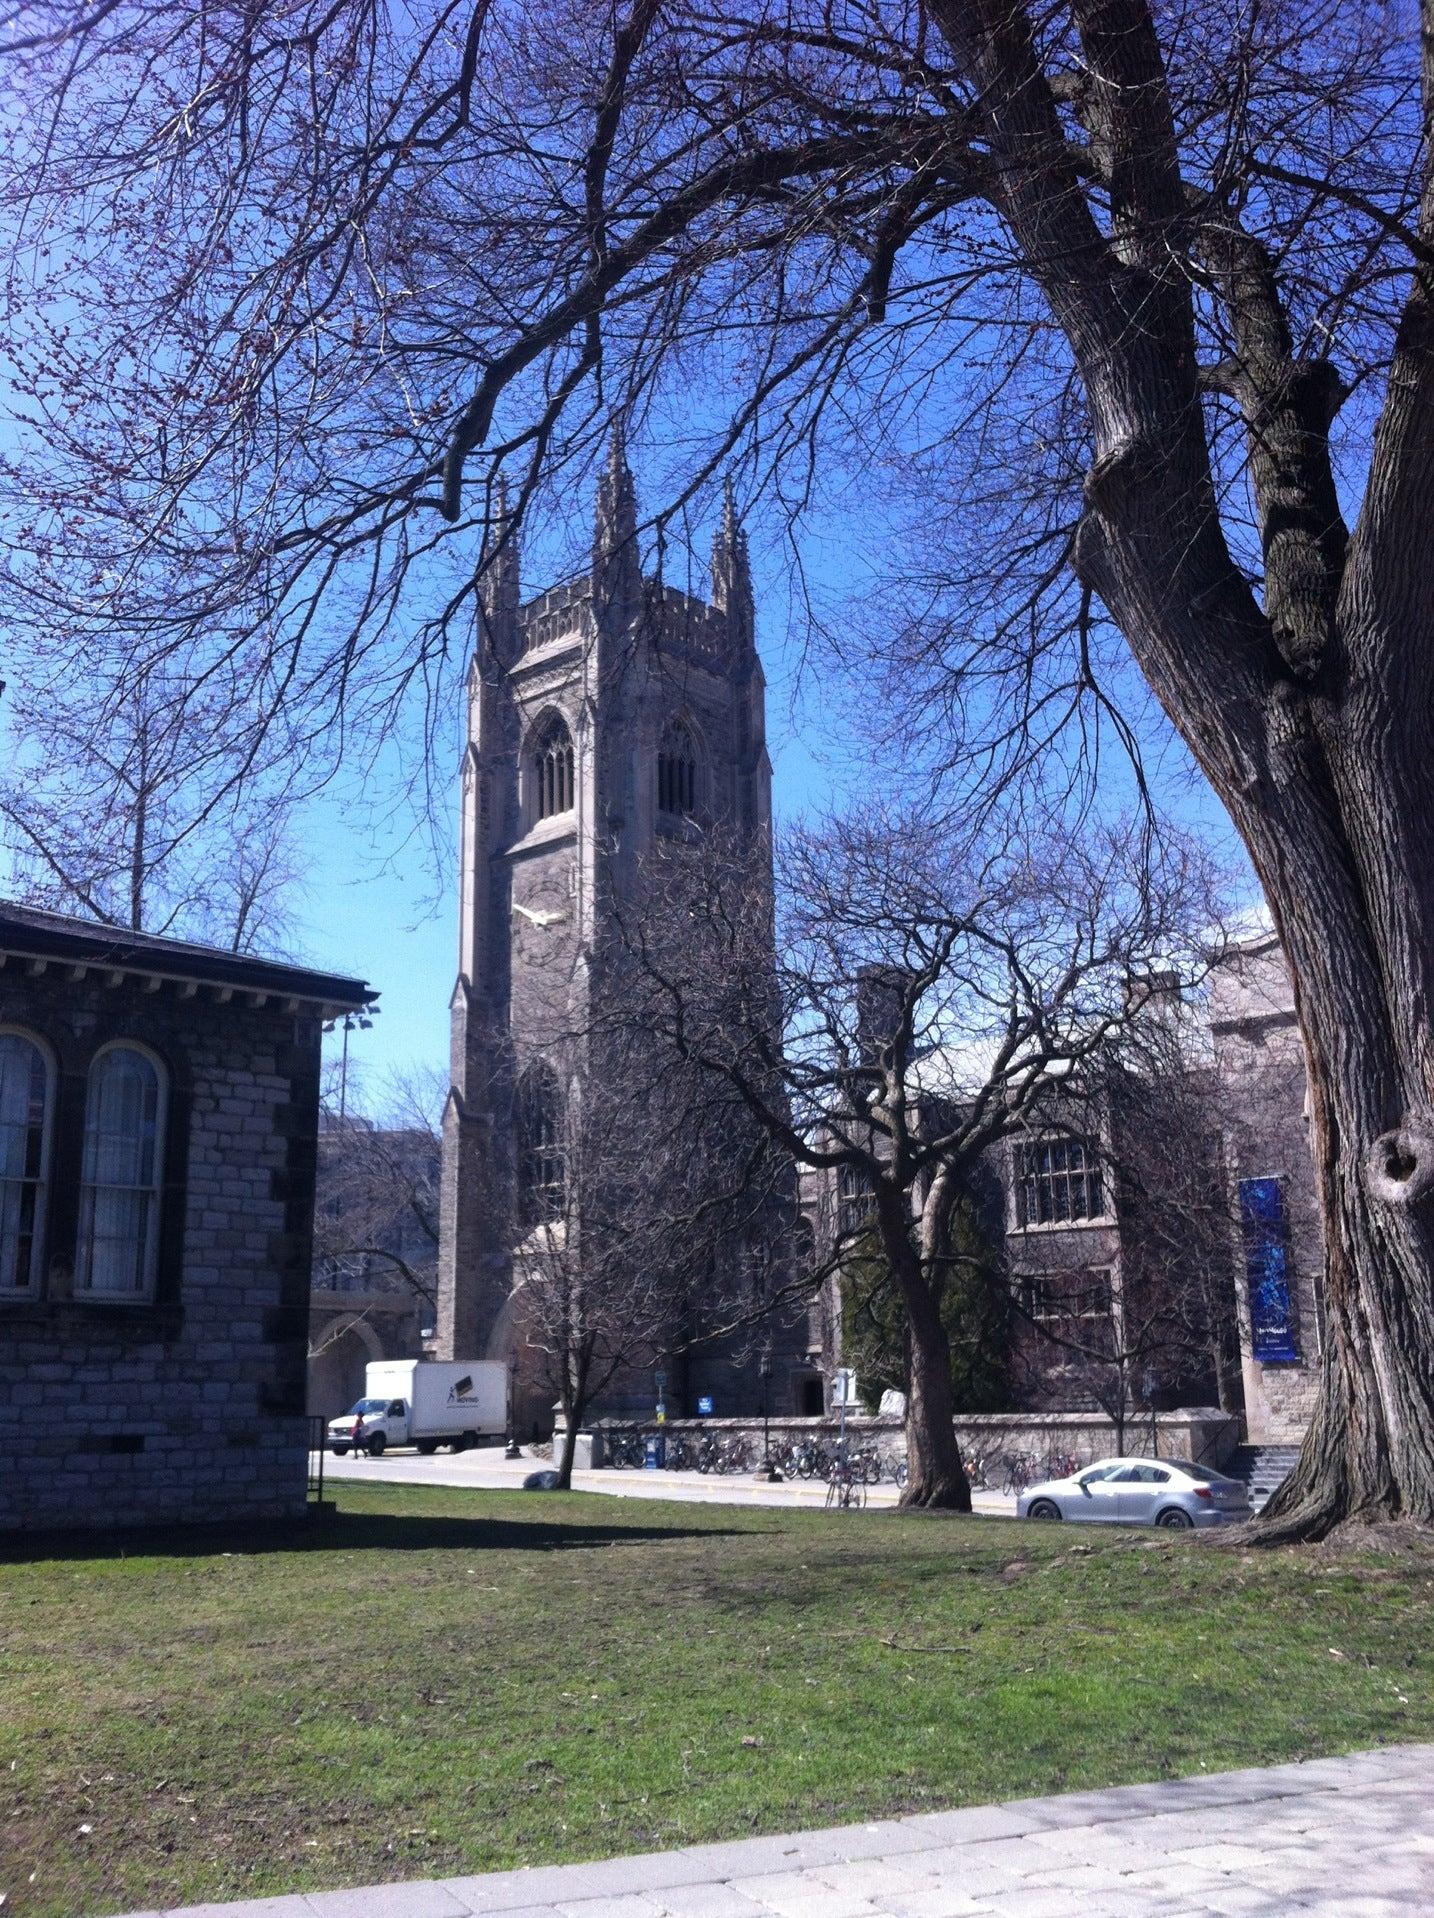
(349, 1022)
(769, 1474)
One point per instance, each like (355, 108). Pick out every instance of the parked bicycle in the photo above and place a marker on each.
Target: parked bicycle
(1018, 1470)
(845, 1486)
(625, 1447)
(978, 1470)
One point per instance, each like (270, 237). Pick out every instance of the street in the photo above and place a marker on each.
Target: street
(486, 1469)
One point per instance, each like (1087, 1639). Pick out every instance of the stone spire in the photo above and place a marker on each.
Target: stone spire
(732, 574)
(617, 565)
(498, 592)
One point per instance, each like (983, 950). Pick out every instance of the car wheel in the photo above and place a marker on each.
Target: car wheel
(341, 1451)
(376, 1445)
(1174, 1520)
(428, 1447)
(1045, 1508)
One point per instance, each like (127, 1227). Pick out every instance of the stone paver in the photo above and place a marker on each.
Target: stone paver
(1338, 1838)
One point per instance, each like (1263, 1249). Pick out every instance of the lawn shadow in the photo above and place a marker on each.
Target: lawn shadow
(335, 1531)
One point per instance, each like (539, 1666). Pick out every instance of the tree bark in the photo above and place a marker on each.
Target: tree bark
(1307, 709)
(574, 1396)
(1369, 1453)
(570, 1446)
(936, 1476)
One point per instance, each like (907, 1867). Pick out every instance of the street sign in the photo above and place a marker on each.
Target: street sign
(844, 1387)
(704, 1408)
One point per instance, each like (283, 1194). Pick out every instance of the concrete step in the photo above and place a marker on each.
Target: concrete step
(1263, 1469)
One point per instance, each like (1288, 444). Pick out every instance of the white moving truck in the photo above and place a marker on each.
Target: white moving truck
(424, 1402)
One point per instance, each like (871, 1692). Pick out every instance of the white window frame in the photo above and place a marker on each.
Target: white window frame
(155, 1190)
(31, 1287)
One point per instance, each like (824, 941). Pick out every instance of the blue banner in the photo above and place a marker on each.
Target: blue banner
(1262, 1221)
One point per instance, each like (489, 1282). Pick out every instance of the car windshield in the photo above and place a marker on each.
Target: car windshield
(369, 1405)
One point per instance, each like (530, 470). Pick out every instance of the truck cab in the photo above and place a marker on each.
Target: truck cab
(370, 1426)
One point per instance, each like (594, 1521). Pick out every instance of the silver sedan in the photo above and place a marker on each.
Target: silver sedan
(1136, 1491)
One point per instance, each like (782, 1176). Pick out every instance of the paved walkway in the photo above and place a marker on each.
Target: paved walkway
(487, 1469)
(1341, 1837)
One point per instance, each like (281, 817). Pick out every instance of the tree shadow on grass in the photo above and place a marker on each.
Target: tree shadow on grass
(334, 1531)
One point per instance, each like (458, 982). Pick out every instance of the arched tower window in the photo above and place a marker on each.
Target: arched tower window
(120, 1180)
(552, 769)
(24, 1160)
(677, 772)
(542, 1158)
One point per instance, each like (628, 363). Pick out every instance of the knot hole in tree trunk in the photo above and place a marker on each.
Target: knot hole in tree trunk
(1399, 1166)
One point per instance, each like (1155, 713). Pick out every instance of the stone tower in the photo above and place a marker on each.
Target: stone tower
(600, 715)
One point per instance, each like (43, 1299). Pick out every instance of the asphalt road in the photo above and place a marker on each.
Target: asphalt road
(486, 1468)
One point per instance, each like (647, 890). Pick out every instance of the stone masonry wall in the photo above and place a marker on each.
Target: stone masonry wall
(188, 1408)
(1202, 1433)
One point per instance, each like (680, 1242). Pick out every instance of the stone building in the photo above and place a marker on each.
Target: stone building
(1079, 1233)
(1279, 1252)
(158, 1112)
(605, 716)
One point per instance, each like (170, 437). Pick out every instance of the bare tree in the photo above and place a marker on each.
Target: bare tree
(144, 804)
(376, 1204)
(650, 1218)
(1170, 268)
(1151, 1124)
(926, 991)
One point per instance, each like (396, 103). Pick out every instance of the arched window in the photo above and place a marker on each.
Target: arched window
(25, 1100)
(542, 1159)
(552, 769)
(120, 1179)
(677, 772)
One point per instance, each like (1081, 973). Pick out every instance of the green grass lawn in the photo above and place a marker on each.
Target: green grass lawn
(433, 1681)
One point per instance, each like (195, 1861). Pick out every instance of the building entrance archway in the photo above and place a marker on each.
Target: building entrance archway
(338, 1354)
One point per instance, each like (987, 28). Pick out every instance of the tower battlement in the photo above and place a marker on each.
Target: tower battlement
(670, 617)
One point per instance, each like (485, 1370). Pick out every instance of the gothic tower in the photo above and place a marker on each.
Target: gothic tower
(600, 715)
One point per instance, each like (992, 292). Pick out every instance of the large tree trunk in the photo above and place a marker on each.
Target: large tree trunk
(1369, 1453)
(1307, 707)
(936, 1476)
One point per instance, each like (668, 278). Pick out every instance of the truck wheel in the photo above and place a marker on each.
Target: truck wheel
(428, 1447)
(459, 1443)
(341, 1451)
(376, 1445)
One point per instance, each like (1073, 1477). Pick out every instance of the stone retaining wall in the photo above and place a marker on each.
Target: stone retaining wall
(1202, 1433)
